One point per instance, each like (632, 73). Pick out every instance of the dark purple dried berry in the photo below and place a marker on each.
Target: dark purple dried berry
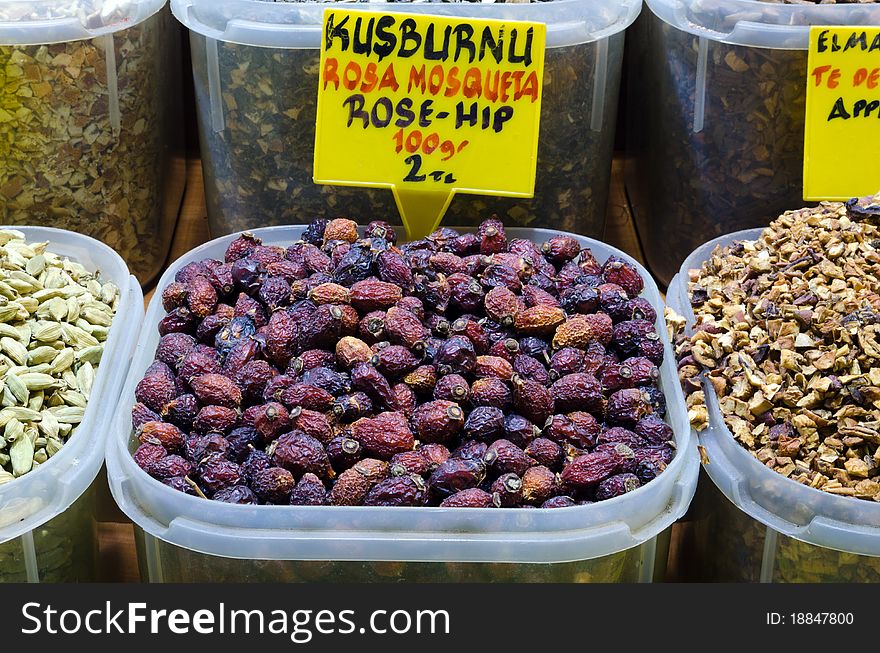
(147, 453)
(369, 380)
(559, 502)
(627, 407)
(349, 408)
(484, 423)
(407, 490)
(273, 485)
(577, 429)
(310, 491)
(241, 441)
(546, 452)
(174, 347)
(508, 490)
(301, 454)
(452, 387)
(617, 485)
(455, 474)
(532, 400)
(169, 466)
(519, 430)
(181, 411)
(504, 457)
(469, 498)
(238, 494)
(344, 452)
(578, 392)
(624, 275)
(180, 483)
(215, 419)
(491, 392)
(654, 430)
(528, 367)
(242, 246)
(140, 415)
(216, 472)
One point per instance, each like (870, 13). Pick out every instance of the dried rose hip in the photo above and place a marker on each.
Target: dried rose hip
(469, 498)
(384, 435)
(462, 370)
(301, 454)
(438, 421)
(272, 485)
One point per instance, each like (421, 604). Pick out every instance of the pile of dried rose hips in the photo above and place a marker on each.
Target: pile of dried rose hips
(463, 370)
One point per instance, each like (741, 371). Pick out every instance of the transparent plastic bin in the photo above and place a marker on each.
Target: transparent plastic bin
(715, 128)
(90, 142)
(185, 538)
(255, 66)
(753, 524)
(47, 527)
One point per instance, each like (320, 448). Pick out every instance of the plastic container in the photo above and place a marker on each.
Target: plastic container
(47, 526)
(753, 524)
(186, 538)
(716, 117)
(90, 142)
(255, 66)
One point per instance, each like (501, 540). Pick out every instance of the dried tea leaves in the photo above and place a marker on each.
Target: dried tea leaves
(787, 332)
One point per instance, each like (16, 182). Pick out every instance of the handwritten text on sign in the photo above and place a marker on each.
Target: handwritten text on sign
(842, 138)
(429, 106)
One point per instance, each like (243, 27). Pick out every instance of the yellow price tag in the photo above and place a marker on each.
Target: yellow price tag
(842, 137)
(428, 106)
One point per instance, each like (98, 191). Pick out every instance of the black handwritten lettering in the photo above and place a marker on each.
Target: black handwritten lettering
(387, 40)
(334, 31)
(355, 104)
(409, 34)
(404, 110)
(526, 56)
(461, 117)
(464, 35)
(839, 111)
(362, 42)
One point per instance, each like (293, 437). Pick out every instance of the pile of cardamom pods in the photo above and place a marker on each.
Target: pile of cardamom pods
(55, 317)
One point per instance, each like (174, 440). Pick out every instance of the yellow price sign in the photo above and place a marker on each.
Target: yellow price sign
(842, 136)
(428, 106)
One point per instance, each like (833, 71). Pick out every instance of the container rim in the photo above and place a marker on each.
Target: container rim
(40, 495)
(333, 532)
(297, 25)
(788, 507)
(757, 23)
(31, 22)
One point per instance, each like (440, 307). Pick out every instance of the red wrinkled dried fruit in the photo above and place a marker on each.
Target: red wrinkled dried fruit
(353, 484)
(161, 433)
(215, 419)
(369, 380)
(273, 485)
(173, 296)
(393, 269)
(141, 414)
(403, 328)
(546, 452)
(627, 407)
(372, 295)
(252, 378)
(197, 363)
(540, 320)
(580, 330)
(405, 400)
(491, 392)
(217, 473)
(155, 390)
(147, 454)
(654, 430)
(350, 351)
(493, 366)
(411, 462)
(469, 498)
(452, 387)
(504, 457)
(623, 274)
(181, 411)
(271, 420)
(454, 475)
(590, 469)
(435, 453)
(561, 249)
(174, 347)
(532, 400)
(310, 491)
(307, 396)
(301, 454)
(330, 293)
(201, 297)
(492, 238)
(216, 390)
(538, 485)
(577, 429)
(384, 435)
(397, 491)
(438, 421)
(507, 491)
(528, 367)
(394, 361)
(170, 466)
(617, 485)
(242, 246)
(620, 435)
(578, 392)
(484, 423)
(422, 380)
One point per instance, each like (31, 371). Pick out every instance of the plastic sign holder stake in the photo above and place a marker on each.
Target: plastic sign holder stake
(842, 132)
(428, 106)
